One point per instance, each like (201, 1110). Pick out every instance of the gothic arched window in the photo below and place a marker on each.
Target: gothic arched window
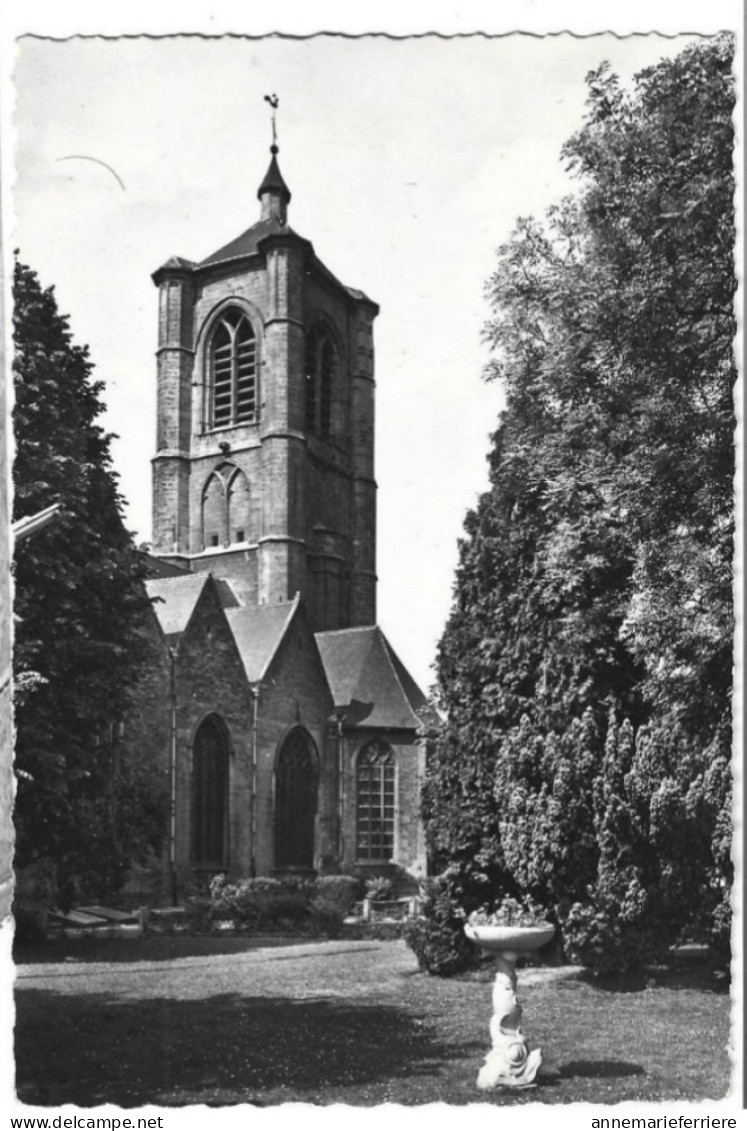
(374, 796)
(228, 511)
(320, 378)
(295, 801)
(210, 796)
(214, 528)
(239, 501)
(232, 356)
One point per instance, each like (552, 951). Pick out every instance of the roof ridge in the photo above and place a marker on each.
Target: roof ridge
(353, 628)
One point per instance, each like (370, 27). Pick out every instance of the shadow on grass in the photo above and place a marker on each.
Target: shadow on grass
(225, 1049)
(150, 948)
(599, 1069)
(702, 978)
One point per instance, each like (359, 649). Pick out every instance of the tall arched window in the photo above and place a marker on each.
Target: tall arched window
(321, 376)
(233, 370)
(295, 801)
(374, 791)
(210, 796)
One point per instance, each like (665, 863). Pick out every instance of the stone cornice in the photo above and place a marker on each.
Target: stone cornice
(170, 453)
(283, 434)
(281, 538)
(174, 349)
(284, 321)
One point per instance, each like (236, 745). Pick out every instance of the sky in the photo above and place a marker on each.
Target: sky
(409, 162)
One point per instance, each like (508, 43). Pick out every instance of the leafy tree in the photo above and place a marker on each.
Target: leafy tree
(586, 666)
(81, 642)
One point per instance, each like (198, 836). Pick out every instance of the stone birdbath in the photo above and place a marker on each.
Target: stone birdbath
(509, 1063)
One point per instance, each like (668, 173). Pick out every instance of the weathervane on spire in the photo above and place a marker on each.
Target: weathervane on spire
(273, 100)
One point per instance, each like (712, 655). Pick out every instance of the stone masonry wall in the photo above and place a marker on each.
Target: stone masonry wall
(145, 739)
(211, 679)
(294, 693)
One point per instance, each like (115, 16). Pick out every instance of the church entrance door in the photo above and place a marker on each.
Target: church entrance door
(295, 801)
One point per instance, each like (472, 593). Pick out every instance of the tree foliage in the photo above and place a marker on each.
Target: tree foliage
(586, 666)
(80, 602)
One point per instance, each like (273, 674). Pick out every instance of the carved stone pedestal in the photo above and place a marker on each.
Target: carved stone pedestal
(509, 1062)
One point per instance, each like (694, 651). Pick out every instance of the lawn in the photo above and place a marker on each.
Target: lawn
(224, 1021)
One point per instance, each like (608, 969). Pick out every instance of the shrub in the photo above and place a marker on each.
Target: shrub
(437, 938)
(338, 891)
(326, 919)
(198, 912)
(379, 888)
(262, 902)
(335, 895)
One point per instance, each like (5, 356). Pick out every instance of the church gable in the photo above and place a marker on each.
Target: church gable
(296, 671)
(174, 600)
(295, 758)
(258, 632)
(213, 739)
(208, 661)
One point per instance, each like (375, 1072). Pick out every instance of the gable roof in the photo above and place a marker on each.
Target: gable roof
(258, 633)
(174, 599)
(368, 681)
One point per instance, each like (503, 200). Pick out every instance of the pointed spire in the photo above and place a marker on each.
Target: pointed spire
(273, 193)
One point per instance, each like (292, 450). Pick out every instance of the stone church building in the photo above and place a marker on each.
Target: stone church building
(293, 731)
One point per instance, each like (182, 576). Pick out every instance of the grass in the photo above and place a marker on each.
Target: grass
(175, 1021)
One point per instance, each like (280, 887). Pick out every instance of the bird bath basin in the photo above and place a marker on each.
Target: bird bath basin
(509, 1063)
(510, 940)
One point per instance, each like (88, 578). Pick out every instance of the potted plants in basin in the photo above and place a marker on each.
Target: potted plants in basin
(513, 928)
(508, 931)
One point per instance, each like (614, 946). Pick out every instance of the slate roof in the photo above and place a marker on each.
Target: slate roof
(176, 597)
(248, 242)
(163, 567)
(178, 262)
(368, 681)
(258, 633)
(273, 180)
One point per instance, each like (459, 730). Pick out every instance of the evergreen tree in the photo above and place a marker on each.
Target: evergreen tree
(586, 665)
(80, 603)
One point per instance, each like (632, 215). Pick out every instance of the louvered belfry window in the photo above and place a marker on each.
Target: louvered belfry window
(233, 363)
(326, 375)
(320, 377)
(375, 788)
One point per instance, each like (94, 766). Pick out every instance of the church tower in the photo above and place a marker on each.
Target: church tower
(264, 468)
